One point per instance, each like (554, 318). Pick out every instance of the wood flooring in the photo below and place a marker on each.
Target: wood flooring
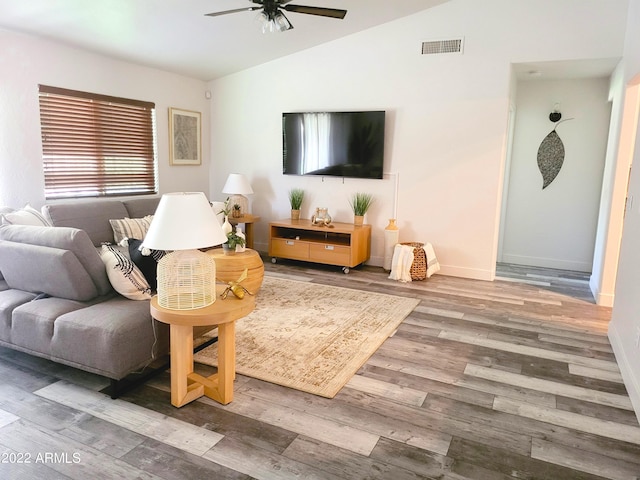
(512, 379)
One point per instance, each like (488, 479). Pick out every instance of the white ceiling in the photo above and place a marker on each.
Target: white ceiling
(175, 35)
(568, 69)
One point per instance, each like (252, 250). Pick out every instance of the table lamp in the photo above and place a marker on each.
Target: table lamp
(237, 186)
(182, 223)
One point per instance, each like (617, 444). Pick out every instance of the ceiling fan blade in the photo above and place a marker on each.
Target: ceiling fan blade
(320, 11)
(246, 9)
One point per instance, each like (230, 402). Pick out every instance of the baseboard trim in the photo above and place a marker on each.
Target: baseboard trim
(546, 262)
(472, 273)
(602, 299)
(631, 381)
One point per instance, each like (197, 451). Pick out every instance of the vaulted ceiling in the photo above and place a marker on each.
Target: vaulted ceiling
(175, 35)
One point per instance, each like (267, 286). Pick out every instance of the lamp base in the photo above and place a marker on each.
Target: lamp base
(186, 280)
(240, 200)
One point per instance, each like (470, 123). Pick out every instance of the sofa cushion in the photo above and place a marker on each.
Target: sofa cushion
(33, 323)
(141, 207)
(9, 300)
(25, 216)
(91, 216)
(38, 269)
(130, 228)
(64, 238)
(125, 277)
(109, 338)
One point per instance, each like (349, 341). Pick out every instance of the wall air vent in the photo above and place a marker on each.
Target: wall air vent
(434, 47)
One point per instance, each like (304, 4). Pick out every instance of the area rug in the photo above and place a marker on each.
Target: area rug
(312, 337)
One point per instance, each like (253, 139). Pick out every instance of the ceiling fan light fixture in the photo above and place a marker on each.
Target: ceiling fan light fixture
(272, 17)
(282, 22)
(274, 21)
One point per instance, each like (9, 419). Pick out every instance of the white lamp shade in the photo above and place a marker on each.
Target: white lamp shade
(184, 221)
(237, 184)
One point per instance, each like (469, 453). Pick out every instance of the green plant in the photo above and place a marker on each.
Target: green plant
(227, 209)
(296, 195)
(236, 207)
(360, 203)
(233, 239)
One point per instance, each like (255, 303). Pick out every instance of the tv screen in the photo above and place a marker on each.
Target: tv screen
(342, 144)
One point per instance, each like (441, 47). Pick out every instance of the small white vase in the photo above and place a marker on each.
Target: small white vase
(226, 226)
(240, 248)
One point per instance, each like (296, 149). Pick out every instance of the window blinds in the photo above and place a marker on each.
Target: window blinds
(95, 145)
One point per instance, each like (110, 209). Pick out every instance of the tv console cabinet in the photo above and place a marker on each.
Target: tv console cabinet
(342, 244)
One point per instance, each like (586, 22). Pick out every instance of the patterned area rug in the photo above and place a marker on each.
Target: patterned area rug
(312, 337)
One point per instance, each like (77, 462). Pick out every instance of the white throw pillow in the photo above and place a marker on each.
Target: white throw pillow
(130, 228)
(26, 216)
(125, 277)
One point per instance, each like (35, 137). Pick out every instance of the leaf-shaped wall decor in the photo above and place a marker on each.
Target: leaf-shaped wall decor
(550, 156)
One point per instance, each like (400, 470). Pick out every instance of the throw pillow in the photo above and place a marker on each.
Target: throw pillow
(25, 216)
(146, 261)
(125, 277)
(130, 228)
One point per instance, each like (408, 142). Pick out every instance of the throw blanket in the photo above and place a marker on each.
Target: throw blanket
(432, 262)
(403, 259)
(401, 263)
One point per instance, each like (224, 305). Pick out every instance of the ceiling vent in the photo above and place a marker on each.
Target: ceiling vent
(434, 47)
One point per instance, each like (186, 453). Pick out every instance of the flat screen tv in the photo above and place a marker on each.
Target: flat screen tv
(342, 144)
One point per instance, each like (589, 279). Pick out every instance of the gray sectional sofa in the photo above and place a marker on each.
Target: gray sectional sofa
(56, 300)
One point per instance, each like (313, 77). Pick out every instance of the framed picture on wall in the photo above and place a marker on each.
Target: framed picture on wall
(185, 143)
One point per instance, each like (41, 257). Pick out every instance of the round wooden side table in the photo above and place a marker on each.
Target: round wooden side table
(187, 386)
(230, 267)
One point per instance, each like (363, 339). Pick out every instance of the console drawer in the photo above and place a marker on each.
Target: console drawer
(289, 248)
(331, 254)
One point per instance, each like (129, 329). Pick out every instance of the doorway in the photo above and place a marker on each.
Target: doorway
(555, 227)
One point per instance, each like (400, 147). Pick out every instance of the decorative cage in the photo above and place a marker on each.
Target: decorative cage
(186, 280)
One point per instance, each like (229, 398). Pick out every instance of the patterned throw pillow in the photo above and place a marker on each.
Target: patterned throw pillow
(125, 277)
(26, 216)
(130, 228)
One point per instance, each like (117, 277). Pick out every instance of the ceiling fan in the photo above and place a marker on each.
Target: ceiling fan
(273, 17)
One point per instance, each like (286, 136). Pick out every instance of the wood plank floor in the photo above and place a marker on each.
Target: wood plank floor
(484, 380)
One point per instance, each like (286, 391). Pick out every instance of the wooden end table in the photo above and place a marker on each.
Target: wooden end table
(186, 385)
(230, 267)
(248, 221)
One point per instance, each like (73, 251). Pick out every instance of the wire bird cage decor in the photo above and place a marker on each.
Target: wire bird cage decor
(186, 280)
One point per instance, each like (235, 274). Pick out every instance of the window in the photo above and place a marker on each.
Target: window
(95, 145)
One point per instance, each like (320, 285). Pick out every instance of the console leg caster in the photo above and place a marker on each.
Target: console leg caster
(345, 270)
(274, 259)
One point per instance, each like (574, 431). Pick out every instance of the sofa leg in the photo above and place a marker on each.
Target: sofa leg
(113, 388)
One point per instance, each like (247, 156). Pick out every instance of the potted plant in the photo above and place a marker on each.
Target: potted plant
(233, 240)
(360, 203)
(227, 209)
(296, 195)
(226, 226)
(236, 212)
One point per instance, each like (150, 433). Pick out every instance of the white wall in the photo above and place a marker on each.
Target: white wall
(447, 116)
(27, 61)
(625, 319)
(556, 227)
